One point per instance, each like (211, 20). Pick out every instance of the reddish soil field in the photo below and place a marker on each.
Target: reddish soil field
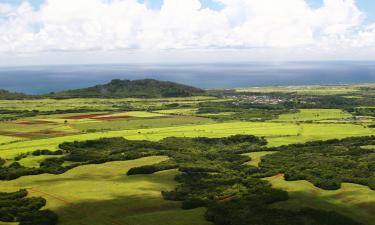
(85, 116)
(34, 122)
(36, 134)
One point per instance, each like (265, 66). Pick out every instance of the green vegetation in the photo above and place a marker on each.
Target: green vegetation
(15, 207)
(103, 194)
(213, 175)
(309, 115)
(353, 200)
(310, 89)
(196, 152)
(4, 94)
(276, 133)
(326, 164)
(256, 157)
(147, 88)
(130, 124)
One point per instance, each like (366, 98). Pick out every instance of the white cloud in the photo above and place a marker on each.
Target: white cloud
(102, 25)
(5, 8)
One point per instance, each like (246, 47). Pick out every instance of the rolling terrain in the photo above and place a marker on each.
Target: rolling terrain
(278, 115)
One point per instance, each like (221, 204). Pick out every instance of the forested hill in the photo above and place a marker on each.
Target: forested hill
(4, 94)
(147, 88)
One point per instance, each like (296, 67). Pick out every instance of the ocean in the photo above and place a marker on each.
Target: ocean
(44, 79)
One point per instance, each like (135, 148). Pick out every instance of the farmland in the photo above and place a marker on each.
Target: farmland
(281, 115)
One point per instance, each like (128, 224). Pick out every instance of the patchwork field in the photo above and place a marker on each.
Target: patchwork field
(102, 194)
(315, 115)
(276, 133)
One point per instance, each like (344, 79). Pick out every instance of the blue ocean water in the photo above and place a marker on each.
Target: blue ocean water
(44, 79)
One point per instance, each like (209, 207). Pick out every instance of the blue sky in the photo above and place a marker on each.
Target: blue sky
(367, 6)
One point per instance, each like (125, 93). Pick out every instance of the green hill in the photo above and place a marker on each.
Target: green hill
(147, 88)
(4, 94)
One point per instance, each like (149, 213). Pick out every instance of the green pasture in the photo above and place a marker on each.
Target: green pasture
(7, 139)
(140, 114)
(34, 161)
(128, 124)
(103, 194)
(256, 157)
(276, 133)
(16, 127)
(353, 200)
(182, 111)
(314, 115)
(97, 104)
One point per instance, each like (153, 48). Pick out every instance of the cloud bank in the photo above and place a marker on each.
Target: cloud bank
(112, 25)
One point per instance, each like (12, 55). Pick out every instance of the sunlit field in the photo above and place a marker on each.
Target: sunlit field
(103, 194)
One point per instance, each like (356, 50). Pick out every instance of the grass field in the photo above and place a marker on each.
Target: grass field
(7, 139)
(182, 111)
(256, 157)
(135, 123)
(103, 194)
(68, 124)
(276, 133)
(314, 115)
(352, 200)
(34, 161)
(97, 104)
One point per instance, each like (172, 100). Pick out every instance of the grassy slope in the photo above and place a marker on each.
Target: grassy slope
(103, 194)
(352, 200)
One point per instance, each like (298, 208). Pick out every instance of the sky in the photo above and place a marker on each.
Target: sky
(35, 32)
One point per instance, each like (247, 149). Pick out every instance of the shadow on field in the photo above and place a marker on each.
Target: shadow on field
(345, 203)
(130, 210)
